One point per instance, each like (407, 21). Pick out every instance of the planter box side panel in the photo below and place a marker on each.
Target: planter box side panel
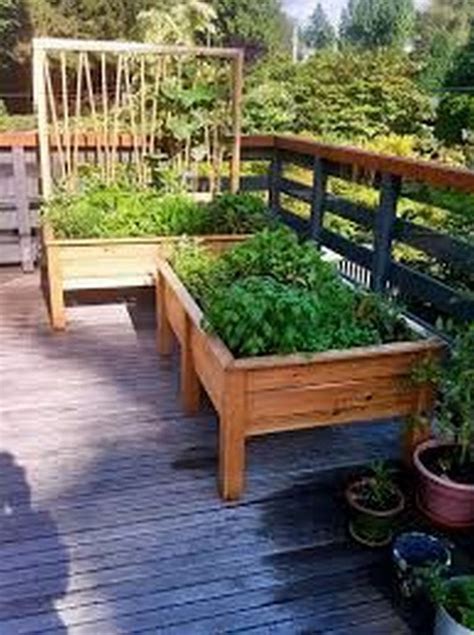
(111, 261)
(336, 367)
(208, 367)
(124, 261)
(175, 313)
(334, 393)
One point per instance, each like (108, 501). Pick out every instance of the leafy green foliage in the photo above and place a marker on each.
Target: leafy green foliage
(120, 210)
(237, 213)
(275, 295)
(376, 23)
(379, 491)
(269, 107)
(442, 30)
(319, 32)
(455, 121)
(456, 596)
(457, 396)
(258, 26)
(340, 95)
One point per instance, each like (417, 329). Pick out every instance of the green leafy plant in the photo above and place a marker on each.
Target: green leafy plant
(238, 213)
(379, 491)
(122, 210)
(456, 596)
(276, 295)
(456, 411)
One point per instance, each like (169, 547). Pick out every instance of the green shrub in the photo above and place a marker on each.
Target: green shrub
(237, 213)
(122, 210)
(275, 295)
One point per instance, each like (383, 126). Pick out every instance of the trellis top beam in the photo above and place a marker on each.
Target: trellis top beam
(108, 46)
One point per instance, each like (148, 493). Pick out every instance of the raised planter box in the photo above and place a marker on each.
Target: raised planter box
(108, 263)
(257, 396)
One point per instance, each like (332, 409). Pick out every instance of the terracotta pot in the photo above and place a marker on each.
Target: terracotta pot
(370, 527)
(445, 502)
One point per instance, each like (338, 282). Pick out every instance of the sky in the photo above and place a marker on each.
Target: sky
(301, 9)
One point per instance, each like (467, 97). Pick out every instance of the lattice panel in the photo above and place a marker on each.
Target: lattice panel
(169, 105)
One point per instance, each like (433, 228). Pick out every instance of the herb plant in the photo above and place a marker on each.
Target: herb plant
(379, 491)
(457, 399)
(276, 295)
(122, 210)
(456, 596)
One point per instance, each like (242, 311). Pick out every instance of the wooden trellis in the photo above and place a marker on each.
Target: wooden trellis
(109, 89)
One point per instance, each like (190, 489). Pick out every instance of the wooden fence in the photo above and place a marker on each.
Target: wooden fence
(372, 265)
(375, 264)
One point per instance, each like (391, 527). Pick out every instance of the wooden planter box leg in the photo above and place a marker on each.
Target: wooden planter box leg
(57, 309)
(232, 438)
(190, 384)
(164, 333)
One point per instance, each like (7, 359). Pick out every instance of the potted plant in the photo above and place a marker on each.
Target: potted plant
(375, 501)
(417, 428)
(279, 342)
(446, 466)
(454, 599)
(413, 553)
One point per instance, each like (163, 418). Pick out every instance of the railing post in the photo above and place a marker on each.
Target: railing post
(275, 178)
(22, 208)
(318, 198)
(383, 231)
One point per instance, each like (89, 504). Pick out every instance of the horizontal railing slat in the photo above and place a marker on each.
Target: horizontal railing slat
(419, 286)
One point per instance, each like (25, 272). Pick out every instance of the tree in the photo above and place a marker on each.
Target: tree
(378, 23)
(349, 94)
(455, 120)
(257, 25)
(183, 22)
(14, 29)
(319, 32)
(96, 19)
(442, 30)
(345, 95)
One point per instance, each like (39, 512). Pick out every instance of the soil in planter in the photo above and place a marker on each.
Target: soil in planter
(439, 461)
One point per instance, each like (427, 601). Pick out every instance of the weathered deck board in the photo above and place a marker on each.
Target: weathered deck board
(112, 522)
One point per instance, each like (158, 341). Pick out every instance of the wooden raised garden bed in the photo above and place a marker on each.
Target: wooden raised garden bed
(263, 395)
(104, 263)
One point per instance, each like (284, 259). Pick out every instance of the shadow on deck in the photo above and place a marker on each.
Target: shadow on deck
(111, 523)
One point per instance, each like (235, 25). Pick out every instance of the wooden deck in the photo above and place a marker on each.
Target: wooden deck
(109, 519)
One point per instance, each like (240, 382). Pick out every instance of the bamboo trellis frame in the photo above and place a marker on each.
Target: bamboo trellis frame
(66, 141)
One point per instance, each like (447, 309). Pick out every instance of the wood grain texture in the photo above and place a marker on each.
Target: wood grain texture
(232, 432)
(116, 527)
(111, 263)
(262, 395)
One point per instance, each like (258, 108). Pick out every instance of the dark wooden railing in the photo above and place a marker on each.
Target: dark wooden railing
(388, 175)
(374, 265)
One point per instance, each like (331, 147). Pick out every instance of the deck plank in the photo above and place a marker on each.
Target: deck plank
(111, 523)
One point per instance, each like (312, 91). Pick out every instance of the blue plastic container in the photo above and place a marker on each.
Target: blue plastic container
(412, 552)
